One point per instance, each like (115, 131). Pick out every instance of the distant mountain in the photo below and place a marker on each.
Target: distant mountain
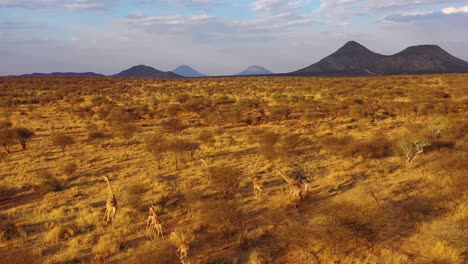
(64, 74)
(187, 71)
(255, 70)
(355, 59)
(142, 71)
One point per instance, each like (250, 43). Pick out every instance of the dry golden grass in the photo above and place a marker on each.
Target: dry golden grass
(366, 203)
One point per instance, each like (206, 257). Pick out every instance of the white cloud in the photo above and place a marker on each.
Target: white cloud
(454, 10)
(150, 21)
(275, 5)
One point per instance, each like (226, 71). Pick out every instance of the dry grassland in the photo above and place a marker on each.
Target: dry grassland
(385, 158)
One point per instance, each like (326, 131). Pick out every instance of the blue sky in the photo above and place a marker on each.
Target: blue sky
(215, 37)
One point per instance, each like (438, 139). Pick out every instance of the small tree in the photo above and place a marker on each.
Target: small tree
(411, 147)
(180, 146)
(23, 135)
(437, 126)
(7, 138)
(224, 216)
(225, 178)
(157, 145)
(62, 141)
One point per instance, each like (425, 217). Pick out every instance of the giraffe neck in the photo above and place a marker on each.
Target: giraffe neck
(109, 188)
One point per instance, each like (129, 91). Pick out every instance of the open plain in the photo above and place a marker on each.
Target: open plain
(237, 170)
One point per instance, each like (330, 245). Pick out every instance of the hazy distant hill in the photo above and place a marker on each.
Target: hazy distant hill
(143, 71)
(65, 74)
(255, 70)
(355, 59)
(187, 71)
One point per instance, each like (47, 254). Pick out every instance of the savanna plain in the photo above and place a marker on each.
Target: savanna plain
(234, 170)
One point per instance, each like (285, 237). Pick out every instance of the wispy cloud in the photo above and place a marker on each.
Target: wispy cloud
(67, 5)
(277, 5)
(141, 20)
(349, 8)
(454, 10)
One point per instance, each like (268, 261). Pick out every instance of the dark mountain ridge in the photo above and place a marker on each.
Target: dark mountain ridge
(354, 59)
(64, 74)
(143, 71)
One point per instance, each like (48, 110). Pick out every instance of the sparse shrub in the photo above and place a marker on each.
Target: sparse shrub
(335, 144)
(173, 126)
(280, 112)
(173, 109)
(224, 216)
(267, 141)
(125, 130)
(122, 122)
(107, 246)
(48, 182)
(377, 147)
(58, 234)
(437, 126)
(279, 96)
(182, 98)
(9, 230)
(164, 252)
(95, 133)
(62, 141)
(133, 194)
(5, 124)
(260, 256)
(225, 178)
(206, 137)
(440, 252)
(69, 168)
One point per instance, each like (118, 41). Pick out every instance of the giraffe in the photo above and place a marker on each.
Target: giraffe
(111, 204)
(154, 224)
(297, 188)
(182, 246)
(257, 187)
